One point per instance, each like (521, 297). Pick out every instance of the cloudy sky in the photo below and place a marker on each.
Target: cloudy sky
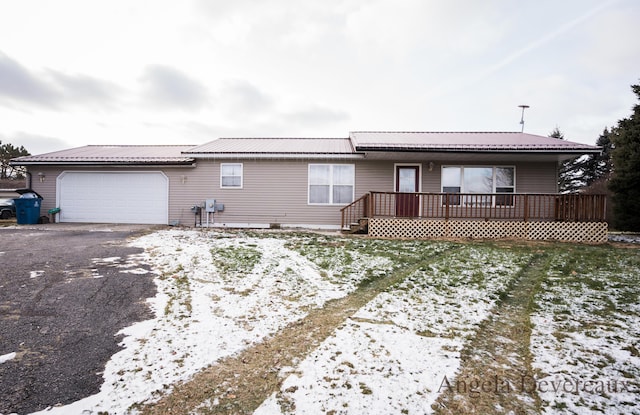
(77, 72)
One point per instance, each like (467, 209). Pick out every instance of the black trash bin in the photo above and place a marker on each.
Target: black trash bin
(28, 207)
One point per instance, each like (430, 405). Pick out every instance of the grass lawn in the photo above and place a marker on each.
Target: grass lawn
(281, 322)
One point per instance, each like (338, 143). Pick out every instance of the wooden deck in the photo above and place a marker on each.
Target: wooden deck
(468, 210)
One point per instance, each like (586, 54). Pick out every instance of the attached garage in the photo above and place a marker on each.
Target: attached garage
(113, 197)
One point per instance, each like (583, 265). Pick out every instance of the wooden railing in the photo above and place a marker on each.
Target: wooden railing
(356, 210)
(487, 206)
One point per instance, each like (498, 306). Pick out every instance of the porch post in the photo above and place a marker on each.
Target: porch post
(371, 204)
(446, 206)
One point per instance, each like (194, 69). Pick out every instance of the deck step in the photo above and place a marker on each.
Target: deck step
(359, 227)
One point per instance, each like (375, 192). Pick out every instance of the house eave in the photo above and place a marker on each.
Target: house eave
(431, 150)
(103, 164)
(279, 156)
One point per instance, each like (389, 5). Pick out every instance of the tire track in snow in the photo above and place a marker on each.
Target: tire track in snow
(495, 370)
(240, 383)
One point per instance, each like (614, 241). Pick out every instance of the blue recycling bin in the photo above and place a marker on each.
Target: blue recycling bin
(28, 210)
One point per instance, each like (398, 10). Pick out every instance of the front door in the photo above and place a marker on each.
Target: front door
(407, 183)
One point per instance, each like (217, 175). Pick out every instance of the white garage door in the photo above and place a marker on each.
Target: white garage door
(113, 197)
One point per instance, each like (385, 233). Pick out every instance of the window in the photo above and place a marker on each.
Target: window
(331, 184)
(451, 183)
(231, 175)
(505, 183)
(479, 179)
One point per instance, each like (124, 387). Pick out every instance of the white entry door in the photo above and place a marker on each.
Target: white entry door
(113, 197)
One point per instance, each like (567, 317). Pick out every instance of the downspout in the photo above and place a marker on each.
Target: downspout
(29, 179)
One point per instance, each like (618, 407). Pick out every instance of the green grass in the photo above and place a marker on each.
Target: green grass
(236, 261)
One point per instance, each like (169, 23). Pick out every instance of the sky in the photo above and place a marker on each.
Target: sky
(79, 72)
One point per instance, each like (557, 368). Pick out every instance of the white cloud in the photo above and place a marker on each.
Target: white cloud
(35, 144)
(240, 97)
(19, 84)
(612, 43)
(168, 87)
(52, 89)
(317, 116)
(170, 72)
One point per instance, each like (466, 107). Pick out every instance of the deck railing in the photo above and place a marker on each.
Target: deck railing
(484, 206)
(356, 210)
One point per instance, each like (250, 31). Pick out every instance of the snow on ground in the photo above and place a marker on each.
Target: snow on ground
(394, 354)
(629, 238)
(586, 337)
(366, 368)
(7, 357)
(218, 293)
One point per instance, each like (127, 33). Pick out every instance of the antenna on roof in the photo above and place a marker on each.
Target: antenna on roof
(524, 107)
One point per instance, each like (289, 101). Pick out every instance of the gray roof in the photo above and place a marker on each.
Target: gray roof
(464, 142)
(275, 147)
(112, 154)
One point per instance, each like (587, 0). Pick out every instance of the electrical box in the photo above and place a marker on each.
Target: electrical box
(210, 205)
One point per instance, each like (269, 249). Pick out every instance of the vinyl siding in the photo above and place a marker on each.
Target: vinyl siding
(537, 177)
(275, 191)
(46, 189)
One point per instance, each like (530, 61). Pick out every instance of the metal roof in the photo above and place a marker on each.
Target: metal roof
(275, 147)
(358, 145)
(463, 142)
(112, 154)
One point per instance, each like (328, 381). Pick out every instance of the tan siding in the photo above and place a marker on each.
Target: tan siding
(187, 188)
(431, 179)
(374, 176)
(275, 191)
(536, 178)
(47, 188)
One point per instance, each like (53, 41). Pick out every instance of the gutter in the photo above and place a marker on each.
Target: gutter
(280, 156)
(103, 164)
(597, 150)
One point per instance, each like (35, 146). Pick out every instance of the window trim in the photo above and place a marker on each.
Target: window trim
(494, 168)
(222, 186)
(331, 184)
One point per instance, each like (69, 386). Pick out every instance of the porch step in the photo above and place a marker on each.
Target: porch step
(359, 227)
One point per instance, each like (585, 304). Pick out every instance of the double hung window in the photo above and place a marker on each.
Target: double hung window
(331, 184)
(231, 175)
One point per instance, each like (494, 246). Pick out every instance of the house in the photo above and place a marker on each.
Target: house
(389, 179)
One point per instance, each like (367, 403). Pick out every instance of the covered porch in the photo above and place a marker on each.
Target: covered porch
(565, 217)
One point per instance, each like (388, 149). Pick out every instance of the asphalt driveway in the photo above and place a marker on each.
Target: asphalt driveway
(65, 291)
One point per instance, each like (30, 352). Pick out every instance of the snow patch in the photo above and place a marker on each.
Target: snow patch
(371, 364)
(6, 357)
(585, 340)
(204, 312)
(36, 274)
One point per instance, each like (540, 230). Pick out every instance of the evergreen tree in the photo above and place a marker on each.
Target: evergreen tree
(570, 171)
(576, 174)
(625, 181)
(597, 167)
(7, 152)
